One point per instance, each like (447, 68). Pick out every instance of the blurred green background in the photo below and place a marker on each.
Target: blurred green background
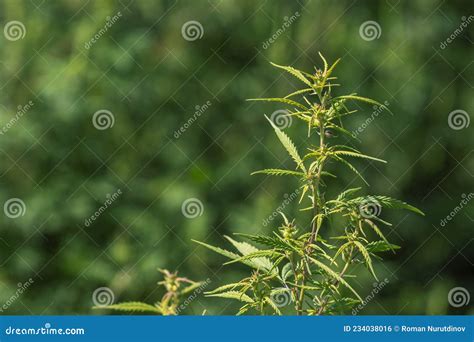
(153, 80)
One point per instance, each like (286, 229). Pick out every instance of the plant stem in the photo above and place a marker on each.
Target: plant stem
(314, 226)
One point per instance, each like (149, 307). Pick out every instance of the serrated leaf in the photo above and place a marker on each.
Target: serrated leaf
(245, 249)
(224, 288)
(233, 295)
(259, 255)
(288, 145)
(334, 275)
(281, 100)
(131, 307)
(350, 166)
(366, 256)
(218, 250)
(295, 72)
(392, 203)
(346, 193)
(278, 172)
(358, 155)
(269, 241)
(381, 246)
(298, 92)
(360, 98)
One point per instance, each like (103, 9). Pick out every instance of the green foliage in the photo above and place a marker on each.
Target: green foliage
(297, 271)
(176, 288)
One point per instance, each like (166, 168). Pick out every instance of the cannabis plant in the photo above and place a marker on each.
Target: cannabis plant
(176, 290)
(306, 269)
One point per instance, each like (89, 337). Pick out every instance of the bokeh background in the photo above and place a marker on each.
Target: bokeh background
(152, 80)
